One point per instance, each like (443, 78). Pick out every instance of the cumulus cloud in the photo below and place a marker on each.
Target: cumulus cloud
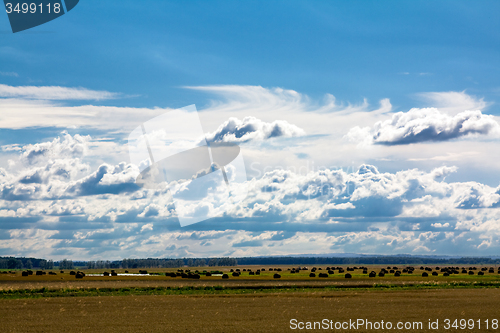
(421, 125)
(85, 209)
(251, 128)
(54, 93)
(65, 146)
(453, 102)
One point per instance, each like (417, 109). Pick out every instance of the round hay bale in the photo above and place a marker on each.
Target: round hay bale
(225, 276)
(277, 276)
(348, 276)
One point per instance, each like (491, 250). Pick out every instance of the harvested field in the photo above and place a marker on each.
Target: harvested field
(243, 313)
(253, 303)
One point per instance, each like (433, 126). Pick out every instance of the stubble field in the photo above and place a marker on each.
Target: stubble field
(242, 304)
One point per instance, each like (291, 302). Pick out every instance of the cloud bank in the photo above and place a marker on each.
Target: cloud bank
(54, 93)
(251, 128)
(56, 199)
(422, 125)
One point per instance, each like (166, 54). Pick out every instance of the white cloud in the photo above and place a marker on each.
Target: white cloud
(61, 147)
(89, 206)
(251, 128)
(421, 125)
(13, 74)
(54, 93)
(453, 102)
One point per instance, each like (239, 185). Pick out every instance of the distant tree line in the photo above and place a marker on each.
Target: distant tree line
(172, 263)
(102, 264)
(382, 260)
(27, 263)
(222, 262)
(36, 263)
(152, 263)
(66, 264)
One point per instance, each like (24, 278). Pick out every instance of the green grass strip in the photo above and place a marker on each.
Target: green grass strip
(231, 290)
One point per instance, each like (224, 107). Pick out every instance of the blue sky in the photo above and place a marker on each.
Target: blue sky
(353, 50)
(398, 101)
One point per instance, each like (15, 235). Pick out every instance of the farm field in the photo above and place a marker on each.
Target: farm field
(244, 313)
(252, 303)
(157, 278)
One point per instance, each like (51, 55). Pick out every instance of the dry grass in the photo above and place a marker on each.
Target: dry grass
(59, 281)
(237, 313)
(254, 312)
